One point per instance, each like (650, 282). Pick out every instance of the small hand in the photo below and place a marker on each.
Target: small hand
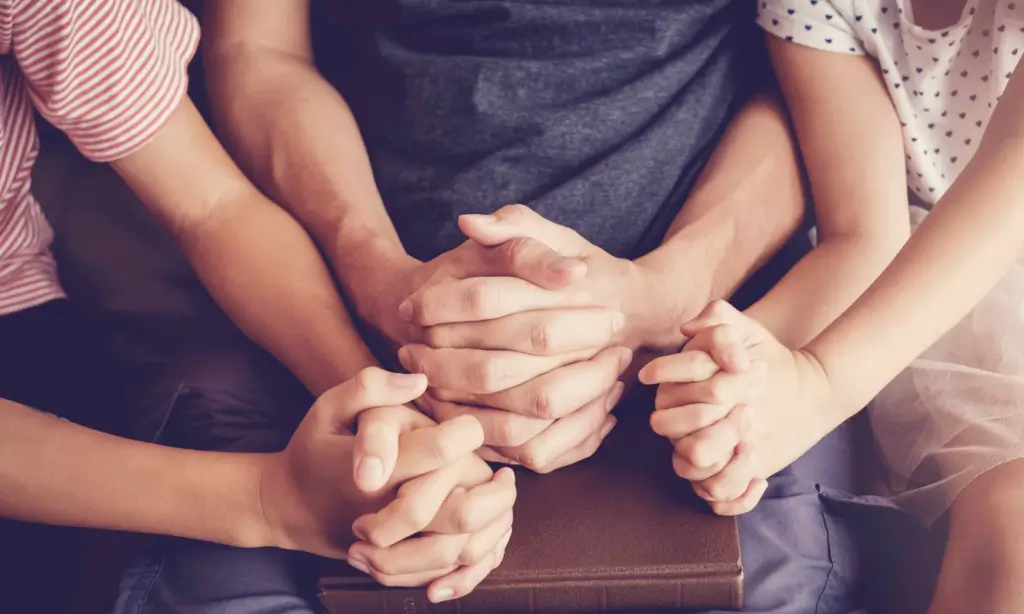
(738, 405)
(310, 500)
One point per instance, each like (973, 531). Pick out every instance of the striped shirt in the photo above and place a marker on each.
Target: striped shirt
(108, 73)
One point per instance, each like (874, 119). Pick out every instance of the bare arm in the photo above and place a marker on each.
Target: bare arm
(859, 189)
(256, 261)
(747, 203)
(287, 127)
(968, 242)
(56, 472)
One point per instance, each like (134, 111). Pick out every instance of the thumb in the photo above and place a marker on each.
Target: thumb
(372, 399)
(371, 387)
(520, 221)
(715, 313)
(376, 449)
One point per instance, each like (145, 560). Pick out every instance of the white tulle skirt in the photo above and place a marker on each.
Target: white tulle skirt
(958, 410)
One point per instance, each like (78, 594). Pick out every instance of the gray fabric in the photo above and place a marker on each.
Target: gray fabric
(597, 113)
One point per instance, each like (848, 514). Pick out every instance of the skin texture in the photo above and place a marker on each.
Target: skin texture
(248, 251)
(545, 403)
(752, 380)
(302, 498)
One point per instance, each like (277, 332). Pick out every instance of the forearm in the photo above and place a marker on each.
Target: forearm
(56, 472)
(747, 203)
(255, 260)
(957, 255)
(277, 289)
(295, 135)
(823, 285)
(959, 252)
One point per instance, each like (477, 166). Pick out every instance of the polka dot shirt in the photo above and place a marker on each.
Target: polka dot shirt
(944, 83)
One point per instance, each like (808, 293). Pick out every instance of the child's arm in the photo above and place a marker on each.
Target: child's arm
(852, 147)
(961, 250)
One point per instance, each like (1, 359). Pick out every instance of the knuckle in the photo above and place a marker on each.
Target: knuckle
(511, 433)
(542, 404)
(481, 298)
(383, 565)
(489, 376)
(445, 446)
(716, 490)
(415, 515)
(700, 452)
(388, 580)
(718, 391)
(529, 457)
(376, 536)
(721, 336)
(449, 554)
(514, 212)
(371, 379)
(470, 555)
(540, 338)
(465, 520)
(516, 251)
(717, 308)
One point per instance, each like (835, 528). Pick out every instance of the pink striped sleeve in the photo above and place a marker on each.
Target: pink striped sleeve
(108, 73)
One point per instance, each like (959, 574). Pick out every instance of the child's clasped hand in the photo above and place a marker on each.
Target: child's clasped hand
(737, 405)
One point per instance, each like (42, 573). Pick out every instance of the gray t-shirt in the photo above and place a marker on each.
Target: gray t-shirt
(599, 114)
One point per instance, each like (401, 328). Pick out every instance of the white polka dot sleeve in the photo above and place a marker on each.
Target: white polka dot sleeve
(812, 23)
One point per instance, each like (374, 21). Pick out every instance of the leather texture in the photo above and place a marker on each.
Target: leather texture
(617, 533)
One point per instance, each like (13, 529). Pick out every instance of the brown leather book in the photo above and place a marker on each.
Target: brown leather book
(617, 533)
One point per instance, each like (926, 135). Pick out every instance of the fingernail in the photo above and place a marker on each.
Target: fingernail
(615, 396)
(359, 563)
(370, 472)
(483, 218)
(506, 471)
(405, 310)
(443, 594)
(403, 355)
(625, 359)
(406, 380)
(562, 265)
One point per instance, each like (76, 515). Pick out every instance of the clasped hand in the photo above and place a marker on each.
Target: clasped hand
(523, 327)
(435, 514)
(737, 405)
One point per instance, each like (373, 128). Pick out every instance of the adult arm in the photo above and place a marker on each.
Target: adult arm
(256, 260)
(747, 203)
(120, 97)
(859, 189)
(296, 137)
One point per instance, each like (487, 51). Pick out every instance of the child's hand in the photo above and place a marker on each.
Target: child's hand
(738, 406)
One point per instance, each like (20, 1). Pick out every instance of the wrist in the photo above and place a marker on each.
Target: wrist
(242, 511)
(659, 301)
(820, 393)
(367, 272)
